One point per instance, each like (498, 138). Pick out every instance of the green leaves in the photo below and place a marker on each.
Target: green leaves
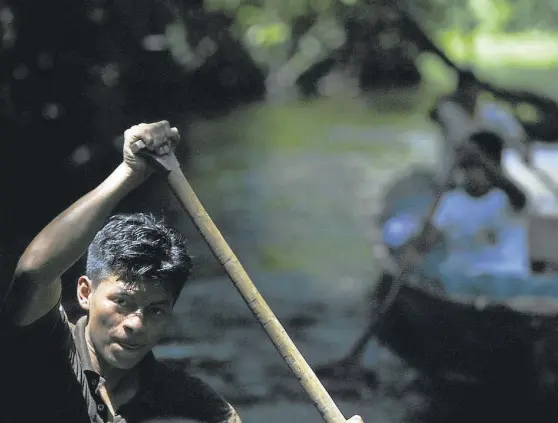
(267, 35)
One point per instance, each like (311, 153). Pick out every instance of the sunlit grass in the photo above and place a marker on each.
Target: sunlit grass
(527, 49)
(526, 61)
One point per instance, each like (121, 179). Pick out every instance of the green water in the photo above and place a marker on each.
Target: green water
(297, 187)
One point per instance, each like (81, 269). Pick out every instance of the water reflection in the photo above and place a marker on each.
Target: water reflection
(296, 188)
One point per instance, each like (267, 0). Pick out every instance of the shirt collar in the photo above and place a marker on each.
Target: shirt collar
(146, 366)
(81, 344)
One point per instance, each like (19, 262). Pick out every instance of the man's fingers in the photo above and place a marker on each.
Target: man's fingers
(157, 137)
(174, 135)
(137, 146)
(158, 131)
(166, 140)
(164, 149)
(355, 419)
(161, 133)
(148, 138)
(164, 125)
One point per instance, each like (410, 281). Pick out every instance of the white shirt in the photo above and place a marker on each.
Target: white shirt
(482, 235)
(494, 117)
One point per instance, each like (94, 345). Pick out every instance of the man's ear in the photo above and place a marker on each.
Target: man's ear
(84, 290)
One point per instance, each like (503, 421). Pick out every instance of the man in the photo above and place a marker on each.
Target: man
(485, 240)
(102, 369)
(480, 225)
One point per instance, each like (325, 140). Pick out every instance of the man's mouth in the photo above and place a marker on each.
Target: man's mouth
(129, 346)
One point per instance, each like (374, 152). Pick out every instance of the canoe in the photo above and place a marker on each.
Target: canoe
(500, 330)
(468, 339)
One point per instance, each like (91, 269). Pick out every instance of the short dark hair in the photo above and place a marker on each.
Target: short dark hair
(489, 143)
(139, 247)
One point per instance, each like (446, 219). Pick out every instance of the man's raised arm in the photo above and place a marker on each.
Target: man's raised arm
(36, 287)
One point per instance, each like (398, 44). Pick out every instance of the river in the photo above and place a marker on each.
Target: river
(295, 190)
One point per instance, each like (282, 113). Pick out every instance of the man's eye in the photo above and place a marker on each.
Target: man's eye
(120, 301)
(157, 311)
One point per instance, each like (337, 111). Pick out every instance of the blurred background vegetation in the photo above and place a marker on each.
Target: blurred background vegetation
(75, 74)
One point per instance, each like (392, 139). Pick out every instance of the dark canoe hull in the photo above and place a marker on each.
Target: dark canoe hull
(471, 340)
(478, 340)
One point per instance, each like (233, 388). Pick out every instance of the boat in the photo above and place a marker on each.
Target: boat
(486, 337)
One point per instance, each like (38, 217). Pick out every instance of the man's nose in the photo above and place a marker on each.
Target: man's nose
(135, 322)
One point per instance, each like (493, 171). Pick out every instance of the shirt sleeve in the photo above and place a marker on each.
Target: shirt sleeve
(517, 198)
(443, 215)
(52, 333)
(400, 229)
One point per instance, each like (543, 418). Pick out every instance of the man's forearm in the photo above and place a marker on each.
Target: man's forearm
(517, 197)
(66, 238)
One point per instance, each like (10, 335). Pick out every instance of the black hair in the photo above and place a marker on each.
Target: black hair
(490, 144)
(139, 247)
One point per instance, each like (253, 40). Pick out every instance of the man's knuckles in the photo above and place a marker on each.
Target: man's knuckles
(154, 135)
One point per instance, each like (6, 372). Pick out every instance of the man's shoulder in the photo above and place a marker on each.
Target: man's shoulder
(497, 193)
(55, 322)
(189, 396)
(497, 198)
(43, 348)
(454, 199)
(176, 379)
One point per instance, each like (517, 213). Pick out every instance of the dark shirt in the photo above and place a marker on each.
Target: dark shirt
(48, 376)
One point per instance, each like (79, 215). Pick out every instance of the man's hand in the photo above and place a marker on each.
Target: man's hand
(158, 138)
(355, 419)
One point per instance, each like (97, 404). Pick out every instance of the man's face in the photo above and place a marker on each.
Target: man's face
(125, 321)
(477, 181)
